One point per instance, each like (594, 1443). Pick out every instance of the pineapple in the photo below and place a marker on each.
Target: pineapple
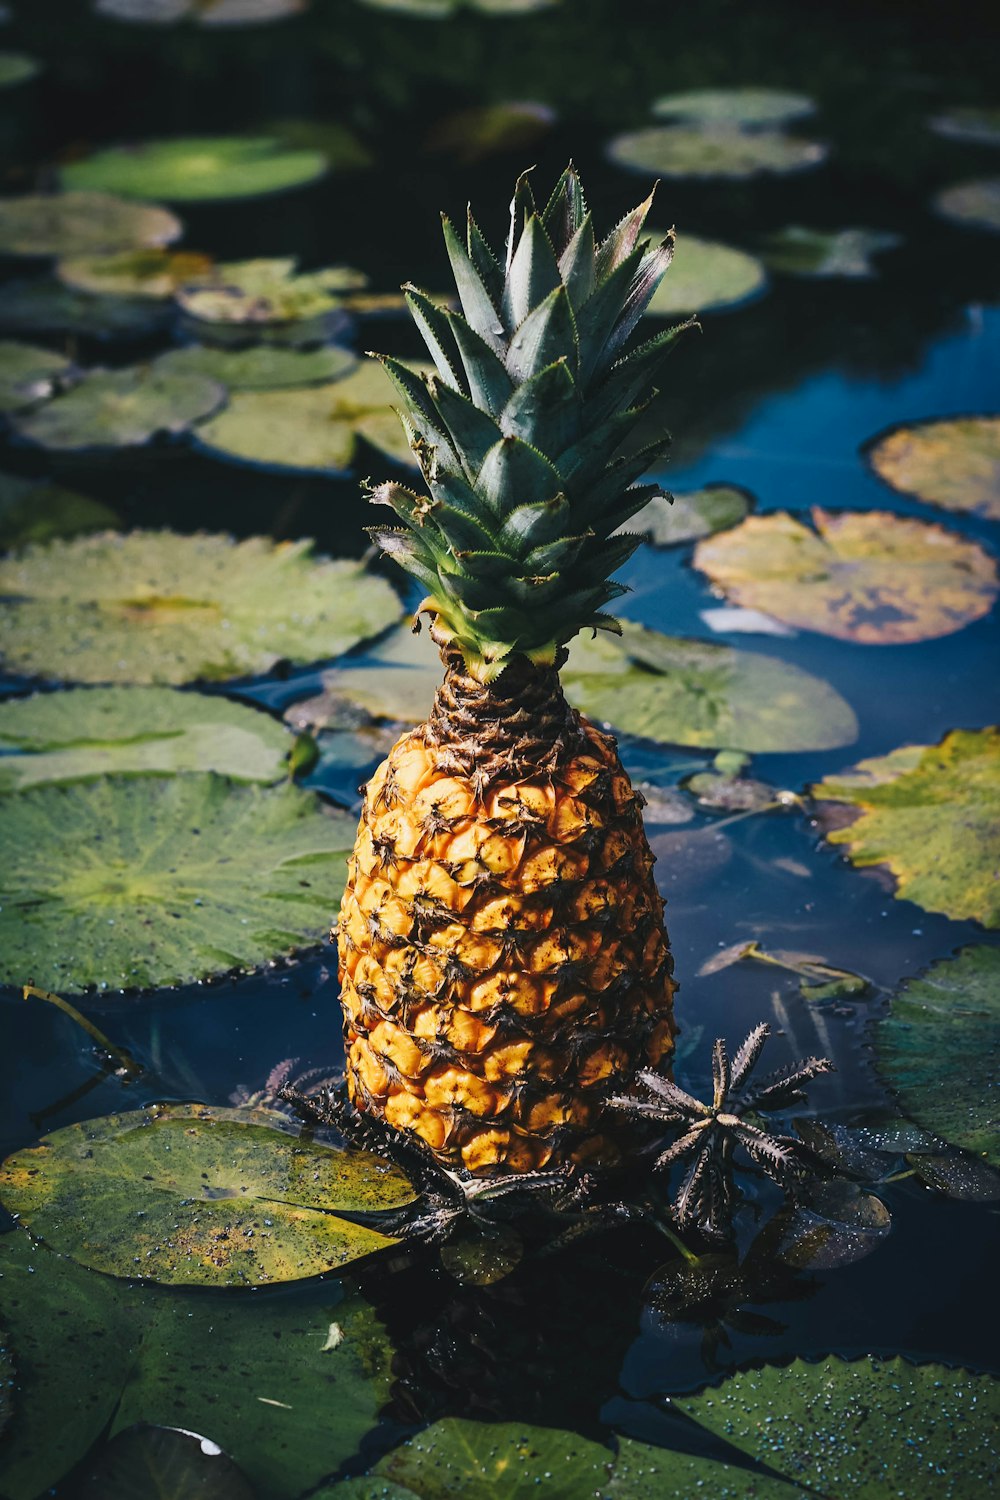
(503, 960)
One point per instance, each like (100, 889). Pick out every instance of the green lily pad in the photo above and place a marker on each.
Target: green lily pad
(669, 522)
(151, 606)
(84, 223)
(954, 463)
(137, 882)
(931, 815)
(703, 276)
(868, 576)
(267, 291)
(435, 10)
(190, 1195)
(84, 732)
(202, 12)
(752, 107)
(144, 12)
(497, 1461)
(171, 1463)
(472, 134)
(975, 203)
(120, 409)
(850, 1428)
(29, 375)
(644, 1473)
(135, 273)
(797, 251)
(939, 1046)
(17, 67)
(46, 305)
(976, 124)
(262, 367)
(712, 151)
(36, 511)
(189, 169)
(313, 430)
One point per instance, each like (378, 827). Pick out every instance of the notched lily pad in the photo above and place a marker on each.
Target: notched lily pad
(975, 203)
(46, 305)
(978, 124)
(137, 882)
(669, 521)
(135, 273)
(29, 375)
(747, 106)
(192, 1195)
(939, 1046)
(197, 168)
(262, 367)
(954, 463)
(871, 577)
(267, 291)
(33, 510)
(497, 1461)
(723, 151)
(154, 607)
(120, 409)
(705, 275)
(82, 223)
(798, 251)
(931, 815)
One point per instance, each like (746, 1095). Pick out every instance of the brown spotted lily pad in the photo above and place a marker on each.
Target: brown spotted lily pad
(134, 273)
(871, 577)
(953, 463)
(931, 815)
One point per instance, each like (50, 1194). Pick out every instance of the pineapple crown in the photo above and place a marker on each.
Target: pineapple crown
(519, 431)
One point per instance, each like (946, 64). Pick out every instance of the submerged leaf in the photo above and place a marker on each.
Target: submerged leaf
(712, 151)
(44, 305)
(194, 168)
(33, 510)
(867, 576)
(120, 409)
(737, 106)
(670, 521)
(931, 814)
(798, 251)
(29, 375)
(156, 607)
(705, 275)
(193, 1195)
(833, 1224)
(471, 134)
(262, 367)
(954, 463)
(168, 1462)
(83, 223)
(975, 203)
(133, 883)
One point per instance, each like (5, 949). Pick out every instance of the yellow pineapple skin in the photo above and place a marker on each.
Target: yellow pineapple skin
(503, 960)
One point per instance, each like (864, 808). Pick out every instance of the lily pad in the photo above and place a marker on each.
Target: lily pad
(435, 10)
(870, 576)
(135, 273)
(262, 367)
(497, 1461)
(120, 409)
(954, 463)
(267, 291)
(850, 1428)
(17, 67)
(46, 305)
(748, 106)
(931, 815)
(705, 275)
(797, 251)
(471, 134)
(136, 882)
(939, 1046)
(974, 123)
(642, 1472)
(156, 607)
(144, 12)
(168, 1462)
(314, 430)
(29, 375)
(190, 1195)
(189, 169)
(669, 521)
(712, 151)
(84, 732)
(975, 203)
(82, 223)
(35, 511)
(202, 12)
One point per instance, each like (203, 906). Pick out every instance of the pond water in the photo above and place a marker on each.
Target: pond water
(779, 396)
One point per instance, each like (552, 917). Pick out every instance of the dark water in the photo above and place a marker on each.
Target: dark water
(778, 397)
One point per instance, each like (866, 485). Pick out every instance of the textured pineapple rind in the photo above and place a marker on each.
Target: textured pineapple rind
(503, 961)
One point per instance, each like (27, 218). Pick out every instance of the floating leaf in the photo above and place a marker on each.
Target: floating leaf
(168, 1462)
(29, 375)
(190, 1195)
(497, 1461)
(32, 510)
(797, 251)
(135, 273)
(954, 463)
(668, 521)
(975, 203)
(731, 794)
(833, 1224)
(705, 275)
(711, 151)
(471, 134)
(132, 883)
(931, 814)
(313, 430)
(435, 10)
(17, 67)
(82, 223)
(262, 367)
(45, 305)
(151, 606)
(748, 106)
(975, 123)
(120, 409)
(642, 1472)
(840, 1427)
(483, 1255)
(939, 1045)
(145, 12)
(870, 576)
(86, 732)
(957, 1176)
(267, 291)
(203, 12)
(188, 169)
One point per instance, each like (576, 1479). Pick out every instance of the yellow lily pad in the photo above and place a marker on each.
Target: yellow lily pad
(931, 815)
(954, 463)
(705, 275)
(975, 203)
(135, 273)
(871, 577)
